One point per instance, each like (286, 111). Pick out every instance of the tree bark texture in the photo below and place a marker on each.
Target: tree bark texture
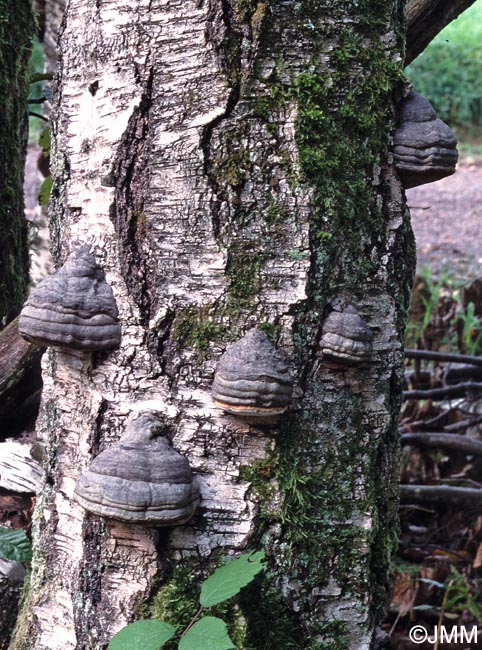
(19, 373)
(12, 575)
(16, 32)
(229, 164)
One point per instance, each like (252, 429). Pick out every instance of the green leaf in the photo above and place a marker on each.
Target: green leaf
(45, 189)
(142, 635)
(229, 579)
(44, 141)
(14, 545)
(210, 633)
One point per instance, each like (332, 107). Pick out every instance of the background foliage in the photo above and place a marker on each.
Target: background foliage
(449, 72)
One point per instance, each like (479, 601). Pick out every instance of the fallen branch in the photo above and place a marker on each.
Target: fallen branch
(443, 356)
(450, 377)
(443, 494)
(447, 440)
(19, 369)
(463, 424)
(459, 390)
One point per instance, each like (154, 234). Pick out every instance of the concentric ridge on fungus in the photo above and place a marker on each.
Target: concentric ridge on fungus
(140, 479)
(73, 308)
(424, 147)
(253, 378)
(346, 339)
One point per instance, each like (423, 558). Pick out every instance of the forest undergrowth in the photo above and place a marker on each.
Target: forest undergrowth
(437, 573)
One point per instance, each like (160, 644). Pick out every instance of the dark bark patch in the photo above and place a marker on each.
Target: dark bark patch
(131, 174)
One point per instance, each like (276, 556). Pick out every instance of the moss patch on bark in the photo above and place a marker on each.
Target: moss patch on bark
(344, 94)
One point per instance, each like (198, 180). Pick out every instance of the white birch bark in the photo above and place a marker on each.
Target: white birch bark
(19, 472)
(143, 113)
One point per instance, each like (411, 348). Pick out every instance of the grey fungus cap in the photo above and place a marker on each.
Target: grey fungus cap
(346, 339)
(253, 378)
(424, 147)
(73, 308)
(140, 479)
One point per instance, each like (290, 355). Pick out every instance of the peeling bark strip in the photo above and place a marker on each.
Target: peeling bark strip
(227, 162)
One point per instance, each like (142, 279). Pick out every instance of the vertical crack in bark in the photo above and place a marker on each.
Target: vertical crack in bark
(223, 38)
(205, 143)
(88, 607)
(132, 179)
(159, 345)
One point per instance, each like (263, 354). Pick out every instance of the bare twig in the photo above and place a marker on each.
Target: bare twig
(40, 117)
(463, 424)
(442, 494)
(458, 390)
(447, 440)
(443, 356)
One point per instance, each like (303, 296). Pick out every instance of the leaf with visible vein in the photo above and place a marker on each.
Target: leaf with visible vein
(142, 635)
(228, 580)
(209, 633)
(14, 545)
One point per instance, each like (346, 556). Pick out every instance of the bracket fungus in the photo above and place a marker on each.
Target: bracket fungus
(424, 147)
(73, 308)
(346, 339)
(140, 479)
(253, 378)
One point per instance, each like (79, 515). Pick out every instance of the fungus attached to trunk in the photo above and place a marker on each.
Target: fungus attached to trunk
(253, 378)
(424, 147)
(140, 479)
(346, 339)
(73, 308)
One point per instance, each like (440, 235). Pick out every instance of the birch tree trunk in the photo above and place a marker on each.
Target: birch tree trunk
(16, 32)
(229, 164)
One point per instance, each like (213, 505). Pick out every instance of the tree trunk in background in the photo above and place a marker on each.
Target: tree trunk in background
(54, 10)
(228, 162)
(16, 33)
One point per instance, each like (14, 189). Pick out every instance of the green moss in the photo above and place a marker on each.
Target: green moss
(234, 165)
(271, 625)
(272, 331)
(244, 263)
(342, 130)
(258, 475)
(277, 213)
(198, 327)
(336, 635)
(326, 461)
(177, 602)
(332, 133)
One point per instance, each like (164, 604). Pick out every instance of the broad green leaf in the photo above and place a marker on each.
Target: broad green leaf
(210, 633)
(45, 189)
(229, 579)
(14, 545)
(142, 635)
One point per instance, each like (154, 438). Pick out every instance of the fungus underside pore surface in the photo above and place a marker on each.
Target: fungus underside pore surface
(344, 96)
